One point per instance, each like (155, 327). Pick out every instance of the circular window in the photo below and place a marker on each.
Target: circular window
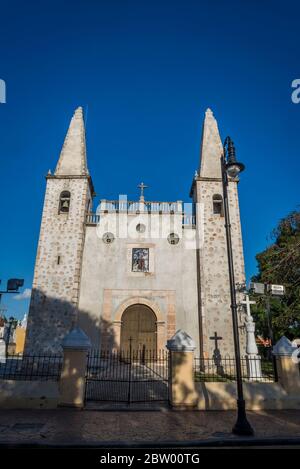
(173, 238)
(108, 238)
(140, 228)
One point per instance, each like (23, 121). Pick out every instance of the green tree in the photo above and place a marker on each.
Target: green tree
(280, 264)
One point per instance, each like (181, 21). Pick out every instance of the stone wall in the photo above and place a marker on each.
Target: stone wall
(213, 266)
(53, 306)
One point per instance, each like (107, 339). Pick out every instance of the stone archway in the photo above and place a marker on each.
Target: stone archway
(160, 320)
(139, 327)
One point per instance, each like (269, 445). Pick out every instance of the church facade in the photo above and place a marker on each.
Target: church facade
(134, 272)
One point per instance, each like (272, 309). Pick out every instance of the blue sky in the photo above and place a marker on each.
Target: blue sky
(145, 72)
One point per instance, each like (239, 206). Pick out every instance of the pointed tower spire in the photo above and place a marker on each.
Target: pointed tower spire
(72, 160)
(211, 148)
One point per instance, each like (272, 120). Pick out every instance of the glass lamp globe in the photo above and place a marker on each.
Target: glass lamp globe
(233, 169)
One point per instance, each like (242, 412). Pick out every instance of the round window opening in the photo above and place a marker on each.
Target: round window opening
(173, 238)
(108, 238)
(140, 228)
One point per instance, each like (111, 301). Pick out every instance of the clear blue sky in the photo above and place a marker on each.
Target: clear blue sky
(146, 71)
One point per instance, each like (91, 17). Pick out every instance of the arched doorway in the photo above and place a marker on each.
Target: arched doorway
(139, 325)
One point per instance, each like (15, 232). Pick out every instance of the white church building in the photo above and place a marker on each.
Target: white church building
(135, 271)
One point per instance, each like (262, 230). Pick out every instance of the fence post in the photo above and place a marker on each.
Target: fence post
(181, 370)
(288, 369)
(75, 345)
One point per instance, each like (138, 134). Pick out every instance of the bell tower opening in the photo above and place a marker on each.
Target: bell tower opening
(139, 327)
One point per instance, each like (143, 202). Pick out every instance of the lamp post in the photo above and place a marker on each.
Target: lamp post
(231, 168)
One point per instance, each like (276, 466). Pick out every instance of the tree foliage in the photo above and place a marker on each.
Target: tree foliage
(280, 264)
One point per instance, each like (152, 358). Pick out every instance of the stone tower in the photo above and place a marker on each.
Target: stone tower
(212, 262)
(55, 292)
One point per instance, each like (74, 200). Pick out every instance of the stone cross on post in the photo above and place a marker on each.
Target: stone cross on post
(253, 359)
(248, 304)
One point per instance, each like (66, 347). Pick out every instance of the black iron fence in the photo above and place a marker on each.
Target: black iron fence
(127, 376)
(31, 367)
(224, 369)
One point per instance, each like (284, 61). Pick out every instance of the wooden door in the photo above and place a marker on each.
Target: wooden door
(139, 324)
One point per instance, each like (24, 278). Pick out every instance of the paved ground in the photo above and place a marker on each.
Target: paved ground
(94, 427)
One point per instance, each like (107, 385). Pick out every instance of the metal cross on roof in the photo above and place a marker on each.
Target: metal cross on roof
(142, 186)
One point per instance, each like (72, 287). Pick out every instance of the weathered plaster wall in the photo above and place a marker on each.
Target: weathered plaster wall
(107, 280)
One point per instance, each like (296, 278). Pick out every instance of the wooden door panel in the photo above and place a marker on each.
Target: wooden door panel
(139, 324)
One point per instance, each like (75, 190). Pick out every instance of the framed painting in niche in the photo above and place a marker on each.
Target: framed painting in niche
(140, 260)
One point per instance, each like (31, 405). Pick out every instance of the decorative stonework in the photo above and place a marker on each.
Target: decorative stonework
(76, 339)
(284, 347)
(112, 318)
(181, 342)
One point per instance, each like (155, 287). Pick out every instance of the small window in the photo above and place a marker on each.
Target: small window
(64, 202)
(218, 205)
(140, 228)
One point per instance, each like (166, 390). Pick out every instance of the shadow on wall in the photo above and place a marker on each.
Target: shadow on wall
(111, 378)
(50, 319)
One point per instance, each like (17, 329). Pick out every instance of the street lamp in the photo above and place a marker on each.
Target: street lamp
(13, 285)
(231, 168)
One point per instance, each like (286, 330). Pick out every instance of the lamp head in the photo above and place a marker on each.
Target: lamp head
(233, 167)
(13, 284)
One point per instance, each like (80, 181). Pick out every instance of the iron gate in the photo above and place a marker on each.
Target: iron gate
(127, 377)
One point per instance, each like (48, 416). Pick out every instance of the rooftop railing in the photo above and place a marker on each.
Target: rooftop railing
(135, 206)
(187, 219)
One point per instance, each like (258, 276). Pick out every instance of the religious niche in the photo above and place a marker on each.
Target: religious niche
(140, 260)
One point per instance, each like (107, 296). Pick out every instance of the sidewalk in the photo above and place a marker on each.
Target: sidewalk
(66, 427)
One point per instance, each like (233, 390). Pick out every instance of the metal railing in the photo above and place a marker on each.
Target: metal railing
(223, 369)
(31, 367)
(135, 206)
(187, 220)
(92, 218)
